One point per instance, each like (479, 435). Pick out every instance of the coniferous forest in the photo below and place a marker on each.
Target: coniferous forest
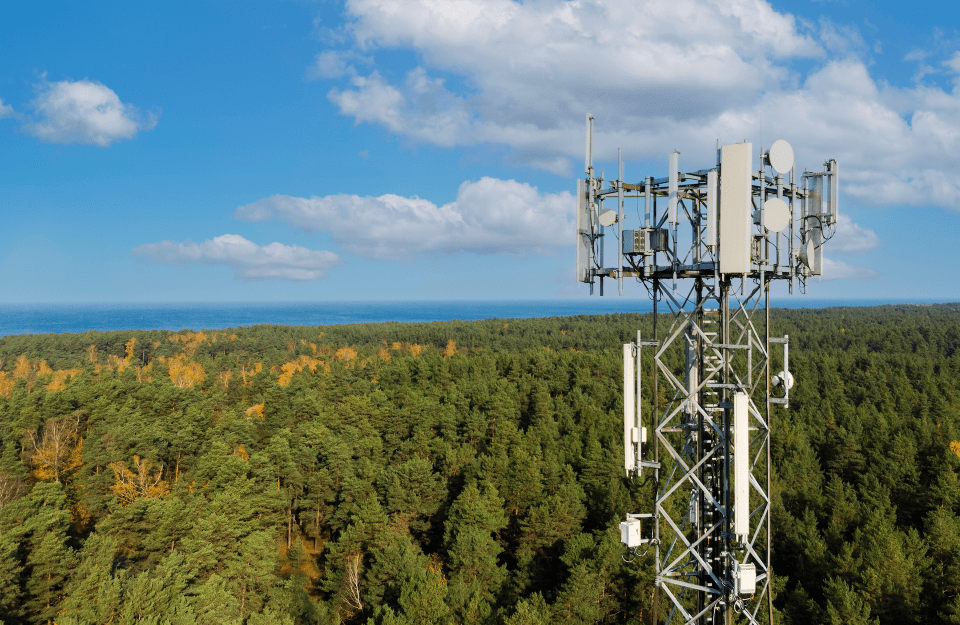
(456, 472)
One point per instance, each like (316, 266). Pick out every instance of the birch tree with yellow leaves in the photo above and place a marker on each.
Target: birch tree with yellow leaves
(57, 450)
(139, 483)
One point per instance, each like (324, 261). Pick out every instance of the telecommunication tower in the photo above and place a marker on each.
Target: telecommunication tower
(707, 247)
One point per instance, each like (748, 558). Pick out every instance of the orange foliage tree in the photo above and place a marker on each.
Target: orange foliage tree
(141, 484)
(451, 349)
(60, 376)
(6, 383)
(288, 369)
(346, 355)
(58, 450)
(184, 373)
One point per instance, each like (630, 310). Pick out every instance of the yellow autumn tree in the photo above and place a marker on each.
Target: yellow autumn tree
(288, 369)
(22, 367)
(242, 453)
(57, 450)
(139, 483)
(128, 349)
(184, 373)
(955, 447)
(6, 383)
(451, 349)
(345, 355)
(255, 410)
(60, 377)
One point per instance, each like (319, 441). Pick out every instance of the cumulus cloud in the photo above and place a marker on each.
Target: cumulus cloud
(533, 69)
(839, 270)
(251, 261)
(524, 74)
(490, 216)
(852, 239)
(84, 112)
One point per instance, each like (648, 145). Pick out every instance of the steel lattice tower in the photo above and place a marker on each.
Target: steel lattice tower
(711, 244)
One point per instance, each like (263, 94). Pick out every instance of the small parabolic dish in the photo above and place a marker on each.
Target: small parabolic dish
(781, 157)
(608, 218)
(784, 378)
(776, 214)
(806, 254)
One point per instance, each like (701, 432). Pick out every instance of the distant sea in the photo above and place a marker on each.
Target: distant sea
(58, 318)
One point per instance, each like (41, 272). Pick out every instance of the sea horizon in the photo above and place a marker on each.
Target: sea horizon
(46, 318)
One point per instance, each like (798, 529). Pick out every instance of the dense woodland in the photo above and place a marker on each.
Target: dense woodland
(460, 472)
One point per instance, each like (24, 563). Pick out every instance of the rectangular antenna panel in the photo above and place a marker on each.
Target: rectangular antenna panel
(815, 199)
(741, 464)
(832, 195)
(584, 233)
(736, 219)
(629, 409)
(674, 188)
(816, 235)
(712, 208)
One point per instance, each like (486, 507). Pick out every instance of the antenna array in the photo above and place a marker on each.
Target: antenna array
(710, 244)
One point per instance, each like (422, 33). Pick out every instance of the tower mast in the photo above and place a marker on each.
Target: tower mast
(711, 244)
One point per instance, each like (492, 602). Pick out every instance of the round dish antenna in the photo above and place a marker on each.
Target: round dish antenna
(784, 378)
(781, 157)
(608, 218)
(776, 214)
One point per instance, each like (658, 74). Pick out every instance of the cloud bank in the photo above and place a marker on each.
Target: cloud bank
(84, 112)
(251, 261)
(657, 75)
(489, 216)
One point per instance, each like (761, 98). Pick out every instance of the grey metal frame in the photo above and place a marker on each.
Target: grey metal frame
(718, 325)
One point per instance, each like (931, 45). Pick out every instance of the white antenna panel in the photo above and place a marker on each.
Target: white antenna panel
(629, 410)
(736, 219)
(741, 464)
(832, 196)
(584, 233)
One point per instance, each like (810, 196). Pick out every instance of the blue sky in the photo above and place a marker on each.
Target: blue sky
(405, 149)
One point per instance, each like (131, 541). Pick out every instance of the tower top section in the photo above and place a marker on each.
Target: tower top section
(748, 216)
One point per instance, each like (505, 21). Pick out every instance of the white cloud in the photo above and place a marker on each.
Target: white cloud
(251, 261)
(533, 68)
(334, 64)
(5, 110)
(489, 216)
(523, 75)
(84, 112)
(839, 270)
(852, 239)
